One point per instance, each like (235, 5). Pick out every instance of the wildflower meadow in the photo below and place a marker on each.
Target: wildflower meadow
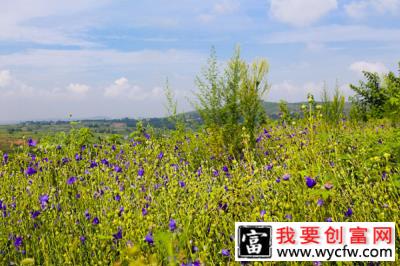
(162, 197)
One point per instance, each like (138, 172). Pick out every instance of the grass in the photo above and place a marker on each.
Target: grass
(139, 186)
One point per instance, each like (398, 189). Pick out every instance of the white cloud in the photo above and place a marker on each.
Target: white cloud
(301, 12)
(79, 89)
(335, 33)
(224, 7)
(121, 88)
(375, 67)
(5, 78)
(16, 17)
(364, 8)
(291, 92)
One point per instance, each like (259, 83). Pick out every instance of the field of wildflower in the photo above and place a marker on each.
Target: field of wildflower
(171, 197)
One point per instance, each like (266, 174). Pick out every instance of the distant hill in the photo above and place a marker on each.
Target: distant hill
(108, 125)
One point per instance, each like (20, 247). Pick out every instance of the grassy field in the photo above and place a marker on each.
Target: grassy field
(172, 197)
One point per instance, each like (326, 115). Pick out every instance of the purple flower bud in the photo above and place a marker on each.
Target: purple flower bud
(225, 252)
(71, 180)
(32, 143)
(349, 212)
(18, 242)
(5, 157)
(118, 235)
(149, 238)
(286, 177)
(141, 172)
(95, 221)
(172, 225)
(320, 202)
(310, 182)
(30, 171)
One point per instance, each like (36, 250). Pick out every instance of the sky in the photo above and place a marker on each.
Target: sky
(103, 58)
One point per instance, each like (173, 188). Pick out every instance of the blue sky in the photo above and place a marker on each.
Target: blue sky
(111, 58)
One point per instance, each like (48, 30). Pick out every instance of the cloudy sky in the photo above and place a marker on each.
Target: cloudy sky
(111, 58)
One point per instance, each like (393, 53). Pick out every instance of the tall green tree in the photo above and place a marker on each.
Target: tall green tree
(229, 101)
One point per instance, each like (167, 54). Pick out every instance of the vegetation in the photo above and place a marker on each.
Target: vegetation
(378, 97)
(172, 196)
(231, 102)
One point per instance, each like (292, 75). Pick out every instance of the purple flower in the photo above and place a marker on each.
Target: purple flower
(289, 216)
(286, 177)
(32, 143)
(141, 172)
(328, 186)
(262, 213)
(199, 171)
(93, 164)
(349, 212)
(384, 175)
(144, 211)
(117, 169)
(182, 184)
(226, 252)
(225, 169)
(269, 167)
(117, 197)
(121, 210)
(35, 214)
(71, 180)
(44, 199)
(329, 219)
(5, 157)
(149, 238)
(30, 171)
(215, 173)
(118, 235)
(278, 180)
(87, 215)
(320, 202)
(95, 221)
(18, 242)
(160, 155)
(172, 225)
(58, 147)
(310, 182)
(82, 239)
(147, 136)
(65, 160)
(332, 164)
(78, 157)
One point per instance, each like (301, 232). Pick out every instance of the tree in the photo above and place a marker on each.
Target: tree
(230, 101)
(378, 97)
(392, 106)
